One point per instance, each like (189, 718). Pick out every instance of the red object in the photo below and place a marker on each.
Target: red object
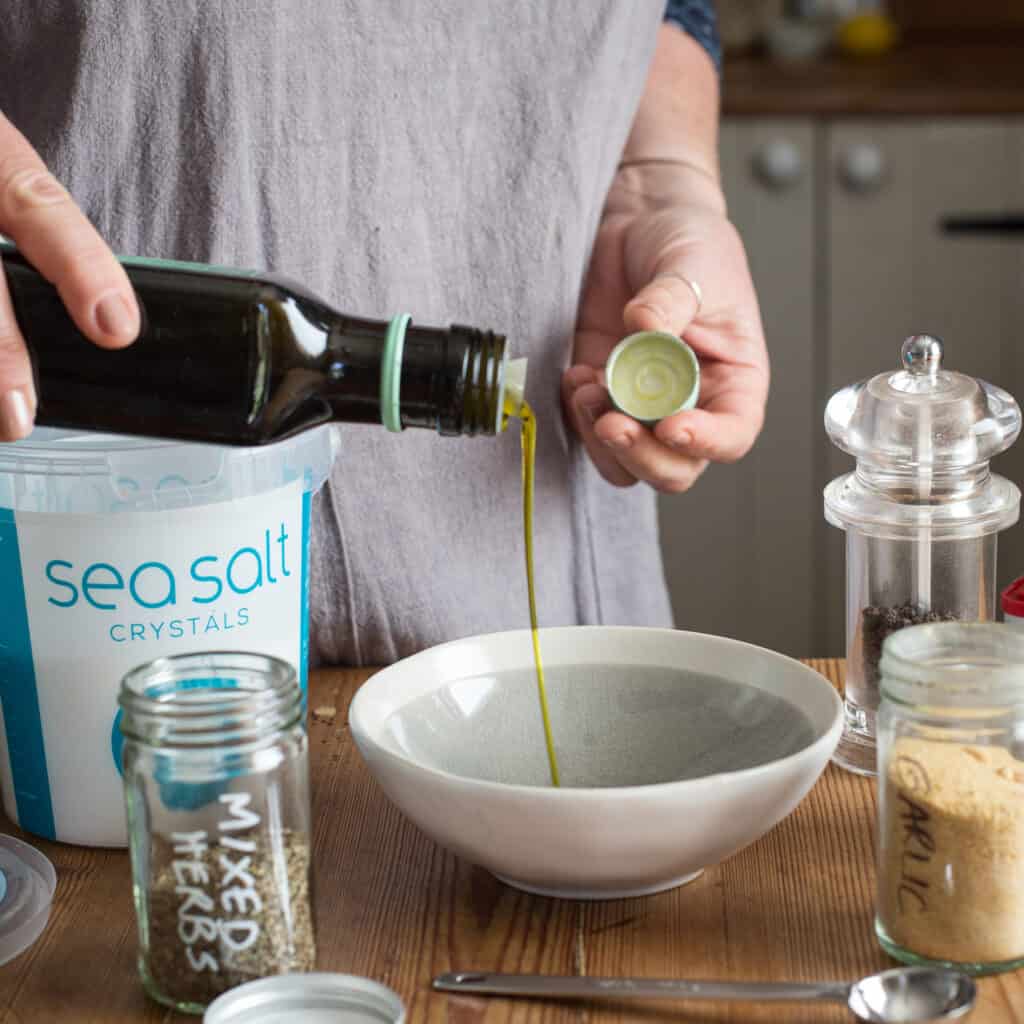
(1013, 599)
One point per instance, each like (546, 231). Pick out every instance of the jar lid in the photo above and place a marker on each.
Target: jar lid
(1013, 598)
(922, 415)
(80, 472)
(315, 998)
(651, 375)
(27, 885)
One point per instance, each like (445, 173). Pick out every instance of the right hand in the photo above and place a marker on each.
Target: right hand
(39, 216)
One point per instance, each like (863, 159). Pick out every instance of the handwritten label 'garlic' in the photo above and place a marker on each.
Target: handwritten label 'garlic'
(952, 851)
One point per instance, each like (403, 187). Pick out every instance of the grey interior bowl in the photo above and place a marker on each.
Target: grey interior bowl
(613, 725)
(676, 750)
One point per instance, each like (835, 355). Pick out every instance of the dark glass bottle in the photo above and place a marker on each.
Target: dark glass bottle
(245, 358)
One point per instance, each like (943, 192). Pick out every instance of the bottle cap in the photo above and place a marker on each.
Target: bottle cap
(651, 375)
(315, 998)
(27, 885)
(1013, 599)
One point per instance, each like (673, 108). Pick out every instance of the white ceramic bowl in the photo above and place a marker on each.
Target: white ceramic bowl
(676, 750)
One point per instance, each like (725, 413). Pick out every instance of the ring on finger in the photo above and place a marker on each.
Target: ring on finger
(694, 287)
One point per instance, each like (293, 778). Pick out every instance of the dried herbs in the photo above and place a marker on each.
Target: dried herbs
(226, 909)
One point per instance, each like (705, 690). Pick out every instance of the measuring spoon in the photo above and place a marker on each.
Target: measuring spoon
(899, 996)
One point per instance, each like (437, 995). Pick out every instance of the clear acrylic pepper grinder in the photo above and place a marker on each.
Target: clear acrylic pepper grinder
(921, 512)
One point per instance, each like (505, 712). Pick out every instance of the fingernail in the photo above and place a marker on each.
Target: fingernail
(114, 316)
(682, 440)
(15, 415)
(619, 441)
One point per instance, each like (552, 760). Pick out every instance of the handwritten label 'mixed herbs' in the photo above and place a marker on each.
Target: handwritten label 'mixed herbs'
(228, 907)
(236, 886)
(952, 869)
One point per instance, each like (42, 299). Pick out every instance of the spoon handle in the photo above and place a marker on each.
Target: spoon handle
(480, 983)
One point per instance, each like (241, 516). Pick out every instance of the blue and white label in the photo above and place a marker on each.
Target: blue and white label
(96, 596)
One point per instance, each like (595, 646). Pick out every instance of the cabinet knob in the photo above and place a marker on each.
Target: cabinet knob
(779, 164)
(862, 167)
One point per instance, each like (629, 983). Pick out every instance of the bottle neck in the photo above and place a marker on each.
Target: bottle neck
(955, 665)
(451, 380)
(209, 701)
(402, 375)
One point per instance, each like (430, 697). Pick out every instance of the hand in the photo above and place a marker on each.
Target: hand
(663, 224)
(41, 218)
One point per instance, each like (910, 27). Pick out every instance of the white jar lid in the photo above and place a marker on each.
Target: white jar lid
(27, 885)
(315, 998)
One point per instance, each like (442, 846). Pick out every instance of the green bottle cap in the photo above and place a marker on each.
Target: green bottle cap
(651, 375)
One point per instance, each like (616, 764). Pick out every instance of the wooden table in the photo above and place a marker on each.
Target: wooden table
(395, 907)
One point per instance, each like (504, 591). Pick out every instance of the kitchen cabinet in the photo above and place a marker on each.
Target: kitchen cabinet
(841, 219)
(739, 554)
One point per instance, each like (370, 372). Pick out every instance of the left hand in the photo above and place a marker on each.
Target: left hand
(664, 223)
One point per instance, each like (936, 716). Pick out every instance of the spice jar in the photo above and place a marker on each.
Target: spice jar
(215, 764)
(951, 796)
(921, 513)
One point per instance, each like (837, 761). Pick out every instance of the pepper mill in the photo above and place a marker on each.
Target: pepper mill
(921, 512)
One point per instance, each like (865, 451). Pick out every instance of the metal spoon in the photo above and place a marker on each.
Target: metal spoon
(899, 996)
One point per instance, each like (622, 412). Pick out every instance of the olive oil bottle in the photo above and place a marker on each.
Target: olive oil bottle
(247, 358)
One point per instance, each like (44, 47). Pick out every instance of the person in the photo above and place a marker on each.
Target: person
(548, 170)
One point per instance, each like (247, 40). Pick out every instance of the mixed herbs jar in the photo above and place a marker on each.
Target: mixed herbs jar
(951, 796)
(921, 512)
(217, 788)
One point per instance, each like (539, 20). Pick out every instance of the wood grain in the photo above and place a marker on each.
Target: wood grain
(953, 19)
(960, 78)
(392, 905)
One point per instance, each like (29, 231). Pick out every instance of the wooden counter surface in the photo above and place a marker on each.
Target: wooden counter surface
(932, 79)
(393, 906)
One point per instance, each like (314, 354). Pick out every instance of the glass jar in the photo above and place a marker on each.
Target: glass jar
(951, 797)
(921, 512)
(215, 763)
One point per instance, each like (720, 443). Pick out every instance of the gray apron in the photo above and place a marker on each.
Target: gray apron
(449, 160)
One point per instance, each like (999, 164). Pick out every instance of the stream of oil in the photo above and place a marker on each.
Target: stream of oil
(528, 438)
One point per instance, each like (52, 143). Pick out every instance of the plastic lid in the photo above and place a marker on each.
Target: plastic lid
(1013, 599)
(316, 998)
(513, 388)
(922, 415)
(80, 472)
(651, 375)
(27, 885)
(922, 437)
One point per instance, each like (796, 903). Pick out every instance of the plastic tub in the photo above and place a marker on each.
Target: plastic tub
(115, 551)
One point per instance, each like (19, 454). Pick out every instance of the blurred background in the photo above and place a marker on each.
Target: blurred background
(851, 132)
